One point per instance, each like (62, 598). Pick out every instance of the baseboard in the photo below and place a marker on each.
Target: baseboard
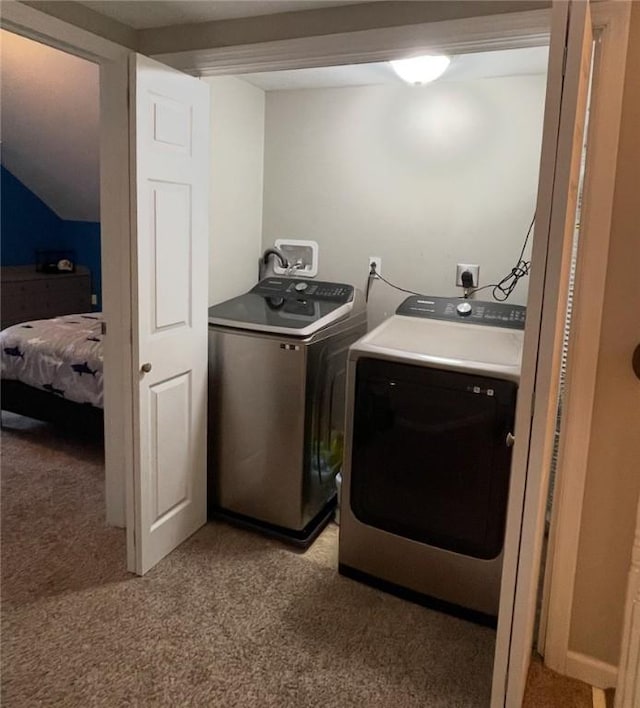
(599, 698)
(592, 671)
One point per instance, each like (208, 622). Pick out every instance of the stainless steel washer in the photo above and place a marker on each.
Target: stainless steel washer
(431, 400)
(277, 372)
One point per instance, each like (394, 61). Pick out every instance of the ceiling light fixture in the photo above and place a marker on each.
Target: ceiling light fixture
(422, 69)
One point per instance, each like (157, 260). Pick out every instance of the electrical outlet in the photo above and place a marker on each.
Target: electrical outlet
(473, 269)
(378, 263)
(94, 299)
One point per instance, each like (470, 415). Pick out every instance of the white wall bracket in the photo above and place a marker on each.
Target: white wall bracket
(297, 251)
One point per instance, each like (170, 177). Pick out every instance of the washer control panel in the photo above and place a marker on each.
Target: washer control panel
(293, 288)
(493, 314)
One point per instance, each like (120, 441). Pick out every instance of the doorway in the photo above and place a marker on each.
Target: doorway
(52, 366)
(362, 163)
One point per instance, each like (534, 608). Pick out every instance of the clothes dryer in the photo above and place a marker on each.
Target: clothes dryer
(431, 398)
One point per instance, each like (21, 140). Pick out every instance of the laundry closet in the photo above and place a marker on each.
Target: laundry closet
(422, 177)
(436, 184)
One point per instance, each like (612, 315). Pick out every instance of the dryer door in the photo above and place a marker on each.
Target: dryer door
(430, 457)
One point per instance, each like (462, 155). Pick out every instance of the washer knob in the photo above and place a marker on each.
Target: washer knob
(301, 287)
(464, 309)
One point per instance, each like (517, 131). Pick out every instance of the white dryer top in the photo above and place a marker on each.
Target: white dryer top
(454, 346)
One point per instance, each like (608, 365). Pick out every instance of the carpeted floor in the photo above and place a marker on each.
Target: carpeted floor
(229, 619)
(547, 689)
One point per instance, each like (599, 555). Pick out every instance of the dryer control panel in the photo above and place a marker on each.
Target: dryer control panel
(492, 314)
(299, 288)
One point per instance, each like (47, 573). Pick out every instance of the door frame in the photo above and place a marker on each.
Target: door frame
(115, 231)
(611, 25)
(488, 33)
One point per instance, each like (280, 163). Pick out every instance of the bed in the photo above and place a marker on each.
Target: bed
(52, 370)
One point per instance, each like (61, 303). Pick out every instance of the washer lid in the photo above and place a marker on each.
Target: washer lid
(445, 345)
(289, 306)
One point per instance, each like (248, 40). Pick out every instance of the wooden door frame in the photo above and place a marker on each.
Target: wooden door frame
(536, 412)
(495, 32)
(114, 231)
(611, 26)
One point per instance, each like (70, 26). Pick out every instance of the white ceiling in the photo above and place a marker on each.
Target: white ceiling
(481, 65)
(162, 13)
(50, 125)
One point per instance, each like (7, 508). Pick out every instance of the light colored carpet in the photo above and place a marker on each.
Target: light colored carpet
(229, 619)
(547, 689)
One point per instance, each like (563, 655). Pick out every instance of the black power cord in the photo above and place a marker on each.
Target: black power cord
(374, 275)
(370, 278)
(501, 290)
(506, 286)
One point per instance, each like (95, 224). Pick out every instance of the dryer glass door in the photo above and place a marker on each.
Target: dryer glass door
(430, 459)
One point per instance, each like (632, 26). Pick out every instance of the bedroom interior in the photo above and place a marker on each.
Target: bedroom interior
(50, 156)
(50, 225)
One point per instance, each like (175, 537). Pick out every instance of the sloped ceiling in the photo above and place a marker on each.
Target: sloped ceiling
(50, 125)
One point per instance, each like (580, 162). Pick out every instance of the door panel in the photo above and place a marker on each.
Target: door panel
(170, 146)
(562, 143)
(171, 246)
(170, 469)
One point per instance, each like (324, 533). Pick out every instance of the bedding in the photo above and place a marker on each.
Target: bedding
(61, 356)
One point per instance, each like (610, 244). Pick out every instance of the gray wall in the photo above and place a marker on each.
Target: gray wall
(237, 144)
(424, 177)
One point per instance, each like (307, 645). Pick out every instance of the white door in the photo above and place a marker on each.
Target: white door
(169, 119)
(564, 121)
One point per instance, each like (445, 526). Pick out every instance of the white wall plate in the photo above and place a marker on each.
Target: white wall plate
(294, 250)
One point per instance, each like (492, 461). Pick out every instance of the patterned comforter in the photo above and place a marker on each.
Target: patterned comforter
(62, 356)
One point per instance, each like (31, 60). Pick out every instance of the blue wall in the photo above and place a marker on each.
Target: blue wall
(27, 224)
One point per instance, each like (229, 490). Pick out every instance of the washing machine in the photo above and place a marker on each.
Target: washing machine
(431, 398)
(277, 376)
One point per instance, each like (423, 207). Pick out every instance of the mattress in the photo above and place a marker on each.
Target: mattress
(62, 356)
